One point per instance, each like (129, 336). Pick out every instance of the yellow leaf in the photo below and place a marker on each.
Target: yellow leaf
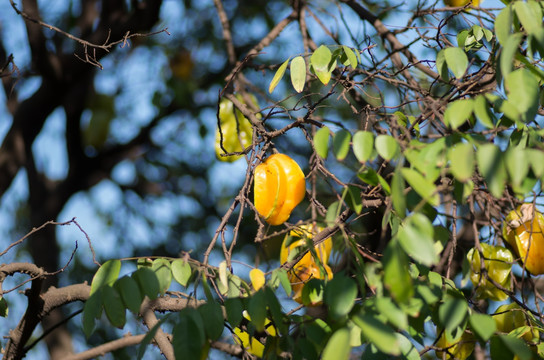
(257, 278)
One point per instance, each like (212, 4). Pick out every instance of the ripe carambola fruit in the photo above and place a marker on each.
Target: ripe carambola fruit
(459, 349)
(236, 129)
(461, 2)
(522, 229)
(498, 263)
(510, 316)
(307, 268)
(279, 186)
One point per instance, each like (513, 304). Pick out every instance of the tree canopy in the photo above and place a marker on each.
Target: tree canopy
(271, 179)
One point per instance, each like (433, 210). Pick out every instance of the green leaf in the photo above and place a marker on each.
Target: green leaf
(482, 112)
(280, 275)
(188, 337)
(503, 25)
(149, 337)
(321, 64)
(425, 188)
(354, 198)
(457, 61)
(517, 164)
(509, 51)
(392, 313)
(312, 292)
(257, 309)
(396, 276)
(321, 58)
(340, 294)
(130, 293)
(452, 312)
(441, 65)
(536, 158)
(113, 306)
(505, 347)
(379, 334)
(212, 318)
(529, 18)
(106, 274)
(363, 145)
(161, 267)
(458, 112)
(482, 325)
(4, 309)
(332, 213)
(386, 146)
(148, 282)
(234, 309)
(278, 76)
(338, 347)
(352, 58)
(181, 271)
(523, 93)
(407, 349)
(298, 73)
(371, 177)
(91, 311)
(462, 162)
(276, 312)
(491, 166)
(416, 236)
(397, 193)
(341, 144)
(321, 141)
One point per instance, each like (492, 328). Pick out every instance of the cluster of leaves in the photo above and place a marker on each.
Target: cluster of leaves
(470, 150)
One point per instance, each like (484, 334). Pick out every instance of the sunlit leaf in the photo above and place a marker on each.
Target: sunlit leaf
(163, 272)
(483, 325)
(106, 274)
(181, 271)
(386, 146)
(298, 73)
(337, 347)
(363, 145)
(257, 278)
(457, 61)
(341, 144)
(416, 235)
(321, 141)
(352, 58)
(278, 76)
(462, 161)
(425, 188)
(458, 112)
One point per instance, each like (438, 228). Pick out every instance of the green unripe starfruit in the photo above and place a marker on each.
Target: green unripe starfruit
(236, 130)
(498, 264)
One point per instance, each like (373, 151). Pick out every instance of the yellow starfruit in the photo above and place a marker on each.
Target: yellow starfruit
(279, 186)
(498, 264)
(522, 229)
(456, 3)
(306, 268)
(251, 344)
(459, 349)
